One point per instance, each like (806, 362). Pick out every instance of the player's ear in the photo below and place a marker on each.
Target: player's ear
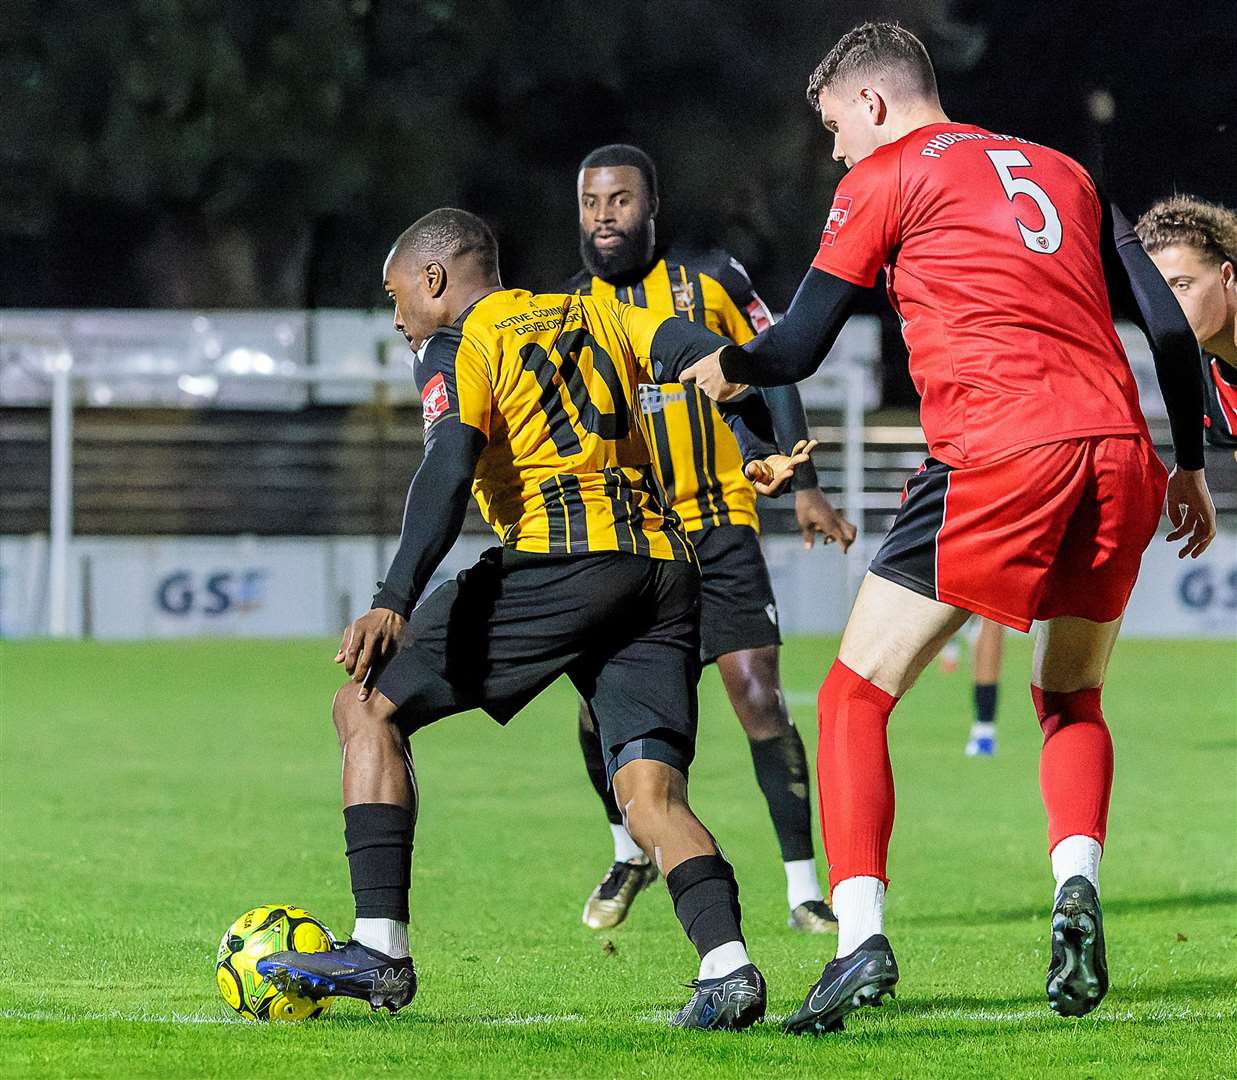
(1226, 274)
(434, 277)
(875, 103)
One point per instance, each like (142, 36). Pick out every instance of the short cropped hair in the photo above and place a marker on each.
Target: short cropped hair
(623, 154)
(1184, 219)
(875, 48)
(449, 233)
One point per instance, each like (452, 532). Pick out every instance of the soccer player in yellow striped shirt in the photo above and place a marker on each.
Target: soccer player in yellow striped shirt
(530, 402)
(701, 471)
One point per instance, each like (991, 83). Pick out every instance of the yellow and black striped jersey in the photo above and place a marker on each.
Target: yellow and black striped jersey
(551, 381)
(697, 460)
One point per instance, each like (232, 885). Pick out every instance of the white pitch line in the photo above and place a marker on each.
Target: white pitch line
(658, 1017)
(198, 1018)
(995, 1016)
(538, 1018)
(131, 1018)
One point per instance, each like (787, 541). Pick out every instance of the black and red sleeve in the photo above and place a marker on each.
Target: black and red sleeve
(438, 495)
(1137, 291)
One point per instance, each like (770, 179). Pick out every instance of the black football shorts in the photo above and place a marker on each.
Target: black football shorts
(623, 628)
(737, 608)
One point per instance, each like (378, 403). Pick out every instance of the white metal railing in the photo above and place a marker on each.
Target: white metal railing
(68, 351)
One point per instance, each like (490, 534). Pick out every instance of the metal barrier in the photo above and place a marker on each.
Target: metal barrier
(275, 359)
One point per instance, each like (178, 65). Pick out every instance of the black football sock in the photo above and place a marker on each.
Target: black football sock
(706, 900)
(378, 842)
(985, 703)
(781, 772)
(595, 762)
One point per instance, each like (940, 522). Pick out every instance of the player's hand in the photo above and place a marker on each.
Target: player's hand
(368, 640)
(816, 514)
(770, 475)
(1191, 512)
(707, 374)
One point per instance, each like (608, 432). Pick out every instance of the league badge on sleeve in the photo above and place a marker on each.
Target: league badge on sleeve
(434, 399)
(758, 315)
(838, 213)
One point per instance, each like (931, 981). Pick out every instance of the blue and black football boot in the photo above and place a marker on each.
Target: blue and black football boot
(348, 970)
(731, 1003)
(1078, 971)
(848, 983)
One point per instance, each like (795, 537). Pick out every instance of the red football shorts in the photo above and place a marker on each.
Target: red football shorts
(1057, 529)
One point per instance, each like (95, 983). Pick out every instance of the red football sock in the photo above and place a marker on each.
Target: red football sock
(853, 776)
(1075, 765)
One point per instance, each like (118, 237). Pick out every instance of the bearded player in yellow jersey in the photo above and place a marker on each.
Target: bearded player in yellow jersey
(701, 471)
(531, 402)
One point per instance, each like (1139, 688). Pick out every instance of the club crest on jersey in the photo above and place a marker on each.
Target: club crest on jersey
(838, 213)
(434, 399)
(684, 295)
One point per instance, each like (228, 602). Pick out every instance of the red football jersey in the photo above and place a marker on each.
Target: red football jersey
(991, 247)
(1220, 404)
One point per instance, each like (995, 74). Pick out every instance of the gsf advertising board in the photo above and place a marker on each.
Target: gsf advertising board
(248, 587)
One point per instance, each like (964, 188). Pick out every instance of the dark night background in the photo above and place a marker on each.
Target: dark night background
(218, 153)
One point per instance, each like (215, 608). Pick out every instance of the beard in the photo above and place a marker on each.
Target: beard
(628, 259)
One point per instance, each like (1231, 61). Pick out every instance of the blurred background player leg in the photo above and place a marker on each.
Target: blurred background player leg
(753, 684)
(989, 648)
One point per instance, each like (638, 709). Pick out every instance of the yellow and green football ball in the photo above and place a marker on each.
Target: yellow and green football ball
(268, 929)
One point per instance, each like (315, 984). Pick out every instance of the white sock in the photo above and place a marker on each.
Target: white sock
(1076, 855)
(723, 960)
(386, 935)
(625, 848)
(859, 904)
(801, 883)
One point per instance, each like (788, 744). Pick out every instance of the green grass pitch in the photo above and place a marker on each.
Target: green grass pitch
(152, 793)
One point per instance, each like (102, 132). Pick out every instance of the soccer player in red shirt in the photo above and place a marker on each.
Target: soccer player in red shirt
(1042, 489)
(1194, 245)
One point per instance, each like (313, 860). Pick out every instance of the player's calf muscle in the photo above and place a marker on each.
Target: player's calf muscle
(653, 799)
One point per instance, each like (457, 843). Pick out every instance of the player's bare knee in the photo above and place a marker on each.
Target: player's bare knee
(1072, 654)
(355, 718)
(754, 688)
(647, 792)
(762, 712)
(340, 711)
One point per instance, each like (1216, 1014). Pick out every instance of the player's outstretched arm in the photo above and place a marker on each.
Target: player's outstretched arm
(1139, 292)
(790, 427)
(813, 511)
(676, 343)
(433, 517)
(789, 350)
